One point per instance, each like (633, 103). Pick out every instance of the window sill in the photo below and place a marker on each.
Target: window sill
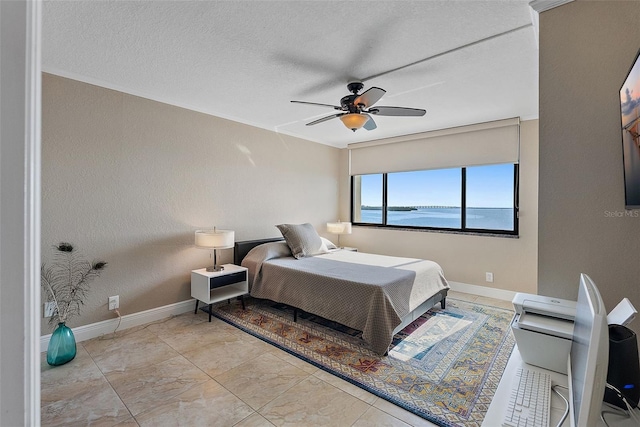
(435, 230)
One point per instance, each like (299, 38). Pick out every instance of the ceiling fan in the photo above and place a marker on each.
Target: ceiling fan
(356, 110)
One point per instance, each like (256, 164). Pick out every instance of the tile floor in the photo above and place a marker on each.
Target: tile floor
(187, 371)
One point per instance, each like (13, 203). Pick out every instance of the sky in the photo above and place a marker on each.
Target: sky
(487, 186)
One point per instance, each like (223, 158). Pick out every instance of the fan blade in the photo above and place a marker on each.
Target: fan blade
(369, 97)
(335, 107)
(324, 119)
(397, 111)
(371, 124)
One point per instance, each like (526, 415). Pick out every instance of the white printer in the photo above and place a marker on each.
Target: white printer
(543, 327)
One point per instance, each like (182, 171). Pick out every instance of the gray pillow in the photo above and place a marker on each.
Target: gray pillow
(267, 251)
(302, 239)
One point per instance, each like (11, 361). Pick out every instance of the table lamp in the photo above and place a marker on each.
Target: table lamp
(214, 239)
(339, 228)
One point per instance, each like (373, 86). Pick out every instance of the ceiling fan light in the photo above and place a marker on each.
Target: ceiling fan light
(354, 121)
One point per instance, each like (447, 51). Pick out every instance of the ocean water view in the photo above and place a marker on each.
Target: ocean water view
(444, 217)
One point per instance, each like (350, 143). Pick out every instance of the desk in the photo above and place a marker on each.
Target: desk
(493, 417)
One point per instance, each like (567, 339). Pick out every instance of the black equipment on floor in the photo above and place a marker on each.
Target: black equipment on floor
(624, 367)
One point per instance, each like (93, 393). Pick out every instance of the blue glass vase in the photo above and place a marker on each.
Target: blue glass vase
(62, 346)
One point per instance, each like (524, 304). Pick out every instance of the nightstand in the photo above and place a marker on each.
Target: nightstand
(214, 286)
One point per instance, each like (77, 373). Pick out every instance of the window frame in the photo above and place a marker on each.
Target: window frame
(463, 223)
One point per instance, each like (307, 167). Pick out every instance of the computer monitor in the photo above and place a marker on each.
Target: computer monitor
(589, 356)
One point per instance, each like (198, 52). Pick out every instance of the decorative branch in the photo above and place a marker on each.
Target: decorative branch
(67, 280)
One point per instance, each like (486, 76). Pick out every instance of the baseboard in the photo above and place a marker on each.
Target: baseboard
(94, 330)
(482, 290)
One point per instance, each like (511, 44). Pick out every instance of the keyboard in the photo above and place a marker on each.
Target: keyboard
(530, 400)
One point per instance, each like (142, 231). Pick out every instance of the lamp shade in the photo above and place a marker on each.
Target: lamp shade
(354, 121)
(339, 227)
(215, 239)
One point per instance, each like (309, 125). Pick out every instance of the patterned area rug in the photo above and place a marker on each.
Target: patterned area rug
(444, 367)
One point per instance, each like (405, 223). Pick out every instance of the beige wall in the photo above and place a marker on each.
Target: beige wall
(466, 258)
(586, 49)
(128, 180)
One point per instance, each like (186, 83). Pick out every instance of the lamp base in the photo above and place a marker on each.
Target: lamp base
(215, 268)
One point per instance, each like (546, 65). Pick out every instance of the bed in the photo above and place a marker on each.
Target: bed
(376, 294)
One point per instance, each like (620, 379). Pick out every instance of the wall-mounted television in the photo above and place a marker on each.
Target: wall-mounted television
(630, 118)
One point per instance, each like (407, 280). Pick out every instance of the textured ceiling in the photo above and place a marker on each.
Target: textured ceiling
(474, 61)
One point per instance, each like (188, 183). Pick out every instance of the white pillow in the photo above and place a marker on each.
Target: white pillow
(328, 244)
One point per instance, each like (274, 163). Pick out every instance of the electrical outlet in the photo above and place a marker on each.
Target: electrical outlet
(49, 308)
(114, 302)
(489, 277)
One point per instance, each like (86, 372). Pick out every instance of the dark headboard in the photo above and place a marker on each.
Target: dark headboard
(241, 249)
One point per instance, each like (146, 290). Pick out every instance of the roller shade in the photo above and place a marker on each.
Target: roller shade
(479, 144)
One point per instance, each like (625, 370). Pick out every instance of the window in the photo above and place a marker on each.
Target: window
(368, 203)
(479, 199)
(425, 198)
(490, 196)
